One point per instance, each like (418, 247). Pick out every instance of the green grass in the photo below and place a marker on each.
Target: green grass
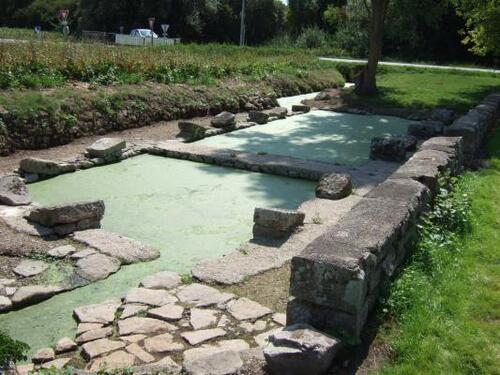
(428, 88)
(28, 34)
(446, 304)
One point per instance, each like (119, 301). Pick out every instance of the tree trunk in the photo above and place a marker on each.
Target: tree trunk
(367, 82)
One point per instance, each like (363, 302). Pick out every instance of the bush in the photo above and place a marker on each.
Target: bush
(11, 351)
(312, 37)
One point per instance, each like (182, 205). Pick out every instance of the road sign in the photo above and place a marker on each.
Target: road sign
(63, 14)
(151, 21)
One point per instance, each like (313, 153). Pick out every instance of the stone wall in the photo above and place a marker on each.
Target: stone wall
(336, 281)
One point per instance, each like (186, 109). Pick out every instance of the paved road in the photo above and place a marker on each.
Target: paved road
(428, 66)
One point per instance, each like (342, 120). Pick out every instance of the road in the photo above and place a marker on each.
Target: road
(425, 66)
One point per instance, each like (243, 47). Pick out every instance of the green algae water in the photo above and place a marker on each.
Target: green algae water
(189, 211)
(317, 135)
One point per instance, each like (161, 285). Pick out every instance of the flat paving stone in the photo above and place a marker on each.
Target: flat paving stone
(29, 295)
(25, 369)
(62, 251)
(200, 295)
(83, 253)
(263, 339)
(161, 280)
(123, 248)
(246, 309)
(132, 338)
(114, 361)
(258, 326)
(43, 355)
(56, 364)
(28, 268)
(152, 297)
(132, 309)
(13, 191)
(165, 366)
(94, 335)
(146, 326)
(215, 363)
(164, 343)
(98, 313)
(65, 345)
(169, 312)
(140, 353)
(96, 348)
(197, 337)
(202, 318)
(84, 327)
(97, 267)
(279, 318)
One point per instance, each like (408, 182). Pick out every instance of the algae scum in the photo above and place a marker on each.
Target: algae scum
(189, 211)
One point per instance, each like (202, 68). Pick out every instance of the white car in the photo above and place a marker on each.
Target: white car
(143, 33)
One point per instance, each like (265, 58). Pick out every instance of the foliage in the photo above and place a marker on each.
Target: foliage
(445, 304)
(11, 350)
(45, 64)
(482, 25)
(312, 37)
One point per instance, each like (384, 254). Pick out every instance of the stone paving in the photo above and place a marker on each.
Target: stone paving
(171, 326)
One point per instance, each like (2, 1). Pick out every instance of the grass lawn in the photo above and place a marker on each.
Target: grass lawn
(428, 88)
(445, 307)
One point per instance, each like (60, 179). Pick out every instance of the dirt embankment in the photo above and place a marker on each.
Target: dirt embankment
(43, 119)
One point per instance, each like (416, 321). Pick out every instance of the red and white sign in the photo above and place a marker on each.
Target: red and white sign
(63, 14)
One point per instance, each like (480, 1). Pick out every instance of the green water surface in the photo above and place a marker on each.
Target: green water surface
(189, 211)
(318, 135)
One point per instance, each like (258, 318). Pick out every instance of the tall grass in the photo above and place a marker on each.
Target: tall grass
(46, 64)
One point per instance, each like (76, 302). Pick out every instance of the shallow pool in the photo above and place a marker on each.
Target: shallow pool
(317, 135)
(189, 211)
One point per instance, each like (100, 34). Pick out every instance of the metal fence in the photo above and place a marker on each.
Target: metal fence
(128, 40)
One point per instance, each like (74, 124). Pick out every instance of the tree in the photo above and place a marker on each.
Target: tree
(11, 350)
(367, 82)
(482, 19)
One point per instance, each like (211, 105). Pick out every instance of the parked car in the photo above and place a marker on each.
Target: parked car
(143, 33)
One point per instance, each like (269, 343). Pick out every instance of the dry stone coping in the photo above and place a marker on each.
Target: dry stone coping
(114, 361)
(169, 312)
(132, 309)
(94, 335)
(97, 267)
(137, 325)
(62, 251)
(13, 191)
(45, 167)
(106, 147)
(29, 295)
(28, 268)
(202, 318)
(140, 353)
(65, 345)
(300, 349)
(197, 337)
(123, 248)
(98, 313)
(200, 295)
(43, 355)
(162, 280)
(392, 148)
(163, 343)
(57, 364)
(246, 309)
(96, 348)
(152, 297)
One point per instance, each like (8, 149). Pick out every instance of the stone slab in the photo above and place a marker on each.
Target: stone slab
(103, 313)
(152, 297)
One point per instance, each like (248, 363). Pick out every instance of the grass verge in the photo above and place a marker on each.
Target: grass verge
(444, 309)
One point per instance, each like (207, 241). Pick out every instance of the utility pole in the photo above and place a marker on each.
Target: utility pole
(242, 26)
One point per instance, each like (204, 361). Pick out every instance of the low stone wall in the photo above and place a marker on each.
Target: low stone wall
(336, 281)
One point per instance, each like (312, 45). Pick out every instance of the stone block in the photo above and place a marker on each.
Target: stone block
(443, 115)
(44, 167)
(425, 129)
(13, 191)
(191, 130)
(453, 146)
(301, 108)
(51, 216)
(224, 120)
(258, 117)
(391, 148)
(107, 148)
(275, 222)
(334, 186)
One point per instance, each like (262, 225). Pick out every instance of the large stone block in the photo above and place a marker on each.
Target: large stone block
(45, 167)
(67, 214)
(425, 129)
(107, 148)
(425, 166)
(392, 148)
(334, 186)
(13, 191)
(276, 222)
(191, 130)
(339, 267)
(453, 146)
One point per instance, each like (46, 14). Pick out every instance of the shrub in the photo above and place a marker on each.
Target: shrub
(312, 37)
(11, 350)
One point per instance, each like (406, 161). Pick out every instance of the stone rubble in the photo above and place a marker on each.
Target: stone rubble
(28, 268)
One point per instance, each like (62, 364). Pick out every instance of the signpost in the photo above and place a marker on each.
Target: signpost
(151, 22)
(165, 28)
(63, 19)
